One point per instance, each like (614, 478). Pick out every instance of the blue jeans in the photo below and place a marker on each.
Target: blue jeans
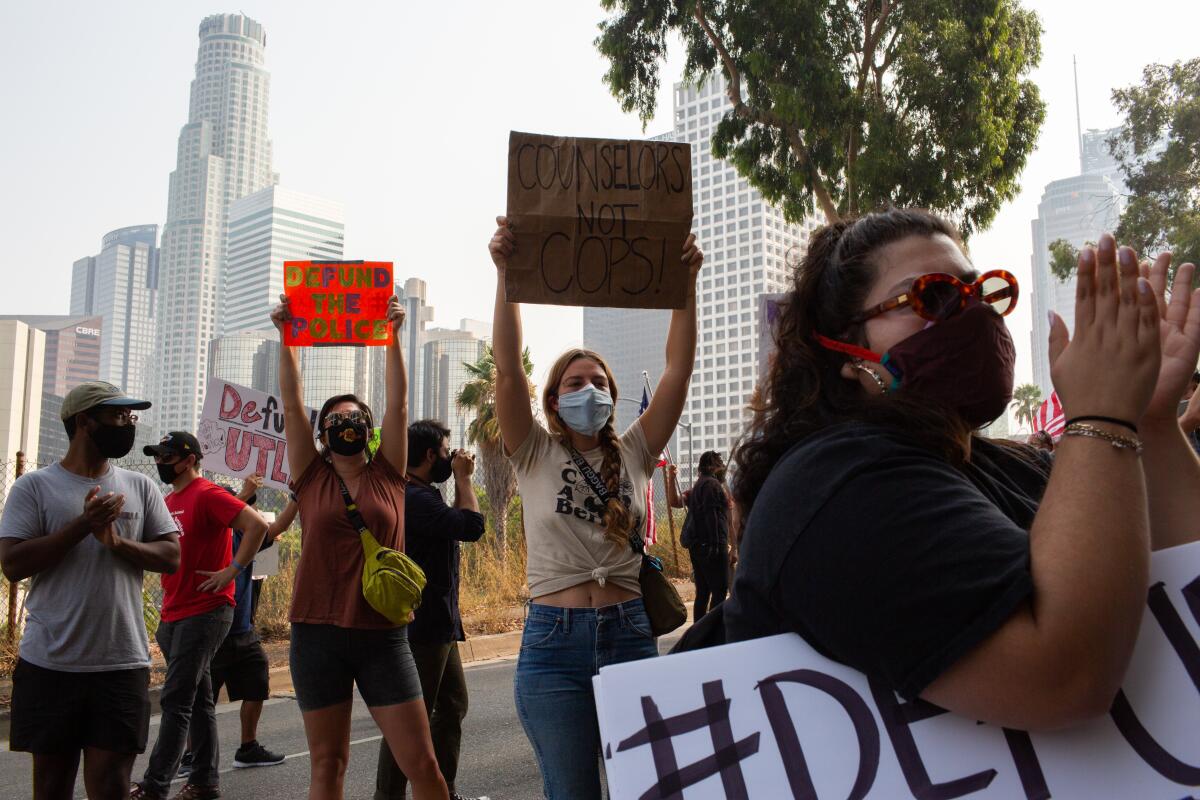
(561, 649)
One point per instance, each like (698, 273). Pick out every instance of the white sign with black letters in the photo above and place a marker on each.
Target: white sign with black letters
(772, 718)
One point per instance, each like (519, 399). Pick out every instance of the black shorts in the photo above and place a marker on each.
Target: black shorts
(64, 712)
(240, 665)
(328, 661)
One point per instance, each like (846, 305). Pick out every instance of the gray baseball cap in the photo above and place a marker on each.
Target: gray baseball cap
(98, 393)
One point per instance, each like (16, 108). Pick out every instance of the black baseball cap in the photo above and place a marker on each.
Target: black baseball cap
(175, 443)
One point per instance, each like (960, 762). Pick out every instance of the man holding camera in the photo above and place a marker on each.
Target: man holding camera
(432, 533)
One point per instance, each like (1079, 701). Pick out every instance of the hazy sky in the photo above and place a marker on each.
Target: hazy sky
(402, 112)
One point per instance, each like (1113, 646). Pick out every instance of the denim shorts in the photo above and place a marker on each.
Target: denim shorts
(328, 661)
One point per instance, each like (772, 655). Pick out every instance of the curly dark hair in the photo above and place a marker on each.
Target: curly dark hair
(804, 391)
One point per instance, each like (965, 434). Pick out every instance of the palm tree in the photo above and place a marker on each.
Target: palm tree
(1027, 398)
(499, 479)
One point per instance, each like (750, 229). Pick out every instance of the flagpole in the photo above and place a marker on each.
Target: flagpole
(666, 477)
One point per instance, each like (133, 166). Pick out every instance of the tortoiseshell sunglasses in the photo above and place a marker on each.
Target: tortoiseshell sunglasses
(938, 296)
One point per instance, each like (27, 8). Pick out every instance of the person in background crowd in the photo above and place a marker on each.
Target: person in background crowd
(197, 610)
(240, 663)
(1189, 412)
(1042, 440)
(705, 531)
(975, 575)
(586, 609)
(338, 640)
(432, 533)
(84, 530)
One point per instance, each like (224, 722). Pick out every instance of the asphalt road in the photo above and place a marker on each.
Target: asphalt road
(496, 757)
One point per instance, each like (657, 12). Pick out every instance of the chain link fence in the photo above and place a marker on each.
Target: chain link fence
(12, 595)
(493, 573)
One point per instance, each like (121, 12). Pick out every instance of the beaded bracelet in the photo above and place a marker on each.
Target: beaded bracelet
(1092, 432)
(1112, 420)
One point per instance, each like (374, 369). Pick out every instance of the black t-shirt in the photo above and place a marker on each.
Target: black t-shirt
(708, 513)
(883, 556)
(432, 532)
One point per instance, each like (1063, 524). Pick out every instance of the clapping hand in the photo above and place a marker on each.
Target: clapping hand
(1111, 364)
(1179, 333)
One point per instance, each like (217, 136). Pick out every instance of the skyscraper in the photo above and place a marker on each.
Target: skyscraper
(247, 358)
(224, 154)
(746, 243)
(1078, 210)
(267, 228)
(71, 356)
(446, 352)
(22, 360)
(120, 285)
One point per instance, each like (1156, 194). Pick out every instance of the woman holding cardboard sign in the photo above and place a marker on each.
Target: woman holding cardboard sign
(974, 574)
(583, 489)
(338, 639)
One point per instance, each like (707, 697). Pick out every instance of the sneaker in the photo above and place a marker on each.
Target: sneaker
(185, 764)
(457, 796)
(136, 792)
(253, 754)
(191, 791)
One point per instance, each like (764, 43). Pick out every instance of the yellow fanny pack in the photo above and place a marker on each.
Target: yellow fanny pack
(391, 581)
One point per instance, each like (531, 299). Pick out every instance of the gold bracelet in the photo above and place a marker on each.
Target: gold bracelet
(1092, 432)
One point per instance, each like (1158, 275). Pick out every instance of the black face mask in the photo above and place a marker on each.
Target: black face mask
(347, 438)
(166, 472)
(964, 363)
(441, 471)
(113, 441)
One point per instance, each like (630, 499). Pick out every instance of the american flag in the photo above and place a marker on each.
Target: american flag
(1050, 418)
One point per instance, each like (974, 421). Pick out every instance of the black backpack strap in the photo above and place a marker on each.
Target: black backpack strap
(356, 517)
(601, 491)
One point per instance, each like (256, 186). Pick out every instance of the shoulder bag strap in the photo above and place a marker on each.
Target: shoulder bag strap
(356, 517)
(601, 491)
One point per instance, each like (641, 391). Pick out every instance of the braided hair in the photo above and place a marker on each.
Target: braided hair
(618, 521)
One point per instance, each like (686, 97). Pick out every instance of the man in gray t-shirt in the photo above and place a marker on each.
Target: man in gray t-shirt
(84, 530)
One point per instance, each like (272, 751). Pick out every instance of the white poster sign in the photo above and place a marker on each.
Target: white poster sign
(241, 433)
(772, 718)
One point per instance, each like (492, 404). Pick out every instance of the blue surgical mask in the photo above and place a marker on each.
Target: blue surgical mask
(585, 411)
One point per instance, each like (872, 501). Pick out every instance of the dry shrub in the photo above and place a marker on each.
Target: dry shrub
(275, 599)
(491, 593)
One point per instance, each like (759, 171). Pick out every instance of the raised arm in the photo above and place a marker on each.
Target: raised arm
(660, 419)
(297, 428)
(282, 522)
(1171, 465)
(1062, 657)
(512, 386)
(674, 499)
(393, 441)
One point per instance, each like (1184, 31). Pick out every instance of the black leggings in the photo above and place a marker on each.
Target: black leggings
(710, 571)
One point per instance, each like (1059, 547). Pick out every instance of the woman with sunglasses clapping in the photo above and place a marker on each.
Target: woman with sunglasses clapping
(339, 641)
(884, 529)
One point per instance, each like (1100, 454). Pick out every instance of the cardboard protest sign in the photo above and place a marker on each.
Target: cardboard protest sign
(337, 302)
(598, 222)
(241, 433)
(772, 718)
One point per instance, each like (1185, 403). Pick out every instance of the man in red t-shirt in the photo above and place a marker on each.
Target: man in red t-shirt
(197, 611)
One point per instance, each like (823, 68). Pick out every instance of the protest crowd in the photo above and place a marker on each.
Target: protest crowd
(862, 510)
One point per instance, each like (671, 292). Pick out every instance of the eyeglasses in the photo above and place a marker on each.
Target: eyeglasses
(338, 417)
(119, 417)
(938, 296)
